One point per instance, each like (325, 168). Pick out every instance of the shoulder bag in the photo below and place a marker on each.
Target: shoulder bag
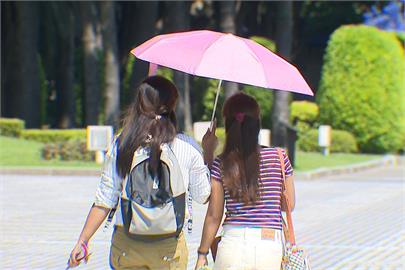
(294, 257)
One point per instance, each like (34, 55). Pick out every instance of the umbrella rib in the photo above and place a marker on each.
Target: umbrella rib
(257, 59)
(205, 51)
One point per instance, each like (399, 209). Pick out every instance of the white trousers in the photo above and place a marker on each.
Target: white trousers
(246, 248)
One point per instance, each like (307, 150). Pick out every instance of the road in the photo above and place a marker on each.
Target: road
(352, 221)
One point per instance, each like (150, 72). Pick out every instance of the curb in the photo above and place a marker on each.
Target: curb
(50, 171)
(363, 166)
(310, 175)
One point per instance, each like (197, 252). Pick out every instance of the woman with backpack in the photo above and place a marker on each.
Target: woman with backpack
(247, 179)
(148, 169)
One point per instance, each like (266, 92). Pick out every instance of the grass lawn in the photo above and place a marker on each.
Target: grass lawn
(311, 161)
(21, 153)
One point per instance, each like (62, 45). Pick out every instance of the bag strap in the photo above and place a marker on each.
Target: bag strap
(290, 227)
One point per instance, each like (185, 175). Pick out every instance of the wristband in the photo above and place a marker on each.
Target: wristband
(199, 252)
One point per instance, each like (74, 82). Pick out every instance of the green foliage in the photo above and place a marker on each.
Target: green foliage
(342, 142)
(362, 88)
(165, 72)
(401, 37)
(264, 97)
(11, 127)
(304, 111)
(126, 82)
(53, 135)
(199, 87)
(209, 100)
(268, 43)
(220, 133)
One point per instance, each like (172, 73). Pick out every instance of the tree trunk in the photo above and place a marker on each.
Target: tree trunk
(8, 63)
(111, 65)
(65, 96)
(22, 67)
(178, 19)
(247, 24)
(284, 34)
(227, 24)
(137, 25)
(91, 77)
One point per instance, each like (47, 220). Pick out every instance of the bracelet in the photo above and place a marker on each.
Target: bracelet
(199, 252)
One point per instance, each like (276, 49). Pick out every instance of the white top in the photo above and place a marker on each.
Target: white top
(195, 173)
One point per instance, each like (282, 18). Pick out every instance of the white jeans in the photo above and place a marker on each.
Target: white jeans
(245, 248)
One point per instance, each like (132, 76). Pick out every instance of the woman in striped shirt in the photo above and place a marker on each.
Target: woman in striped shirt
(247, 179)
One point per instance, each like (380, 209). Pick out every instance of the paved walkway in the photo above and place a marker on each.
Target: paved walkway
(347, 222)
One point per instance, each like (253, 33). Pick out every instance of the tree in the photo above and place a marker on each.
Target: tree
(137, 24)
(227, 24)
(90, 55)
(111, 64)
(280, 114)
(21, 62)
(65, 33)
(178, 19)
(363, 88)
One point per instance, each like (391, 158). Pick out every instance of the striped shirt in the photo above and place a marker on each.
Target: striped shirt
(189, 155)
(266, 212)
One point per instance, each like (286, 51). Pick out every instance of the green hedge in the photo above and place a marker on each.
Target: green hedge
(342, 142)
(53, 135)
(69, 150)
(11, 127)
(304, 111)
(362, 89)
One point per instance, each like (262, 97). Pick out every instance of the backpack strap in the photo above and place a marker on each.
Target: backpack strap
(290, 236)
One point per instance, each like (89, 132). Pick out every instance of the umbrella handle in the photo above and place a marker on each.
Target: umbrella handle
(215, 104)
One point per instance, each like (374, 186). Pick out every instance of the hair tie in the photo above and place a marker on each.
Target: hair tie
(240, 116)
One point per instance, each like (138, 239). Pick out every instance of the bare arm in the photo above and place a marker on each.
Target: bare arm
(290, 190)
(212, 221)
(94, 219)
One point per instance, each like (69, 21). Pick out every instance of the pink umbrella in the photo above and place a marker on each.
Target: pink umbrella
(224, 57)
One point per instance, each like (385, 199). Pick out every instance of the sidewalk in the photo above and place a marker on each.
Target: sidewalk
(308, 175)
(350, 221)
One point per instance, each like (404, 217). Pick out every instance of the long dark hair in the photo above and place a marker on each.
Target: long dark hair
(240, 158)
(150, 120)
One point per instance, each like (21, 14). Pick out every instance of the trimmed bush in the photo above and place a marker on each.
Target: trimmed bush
(304, 111)
(342, 142)
(50, 151)
(362, 89)
(11, 127)
(53, 135)
(69, 150)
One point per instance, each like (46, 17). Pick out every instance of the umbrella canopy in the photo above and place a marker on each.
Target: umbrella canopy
(224, 57)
